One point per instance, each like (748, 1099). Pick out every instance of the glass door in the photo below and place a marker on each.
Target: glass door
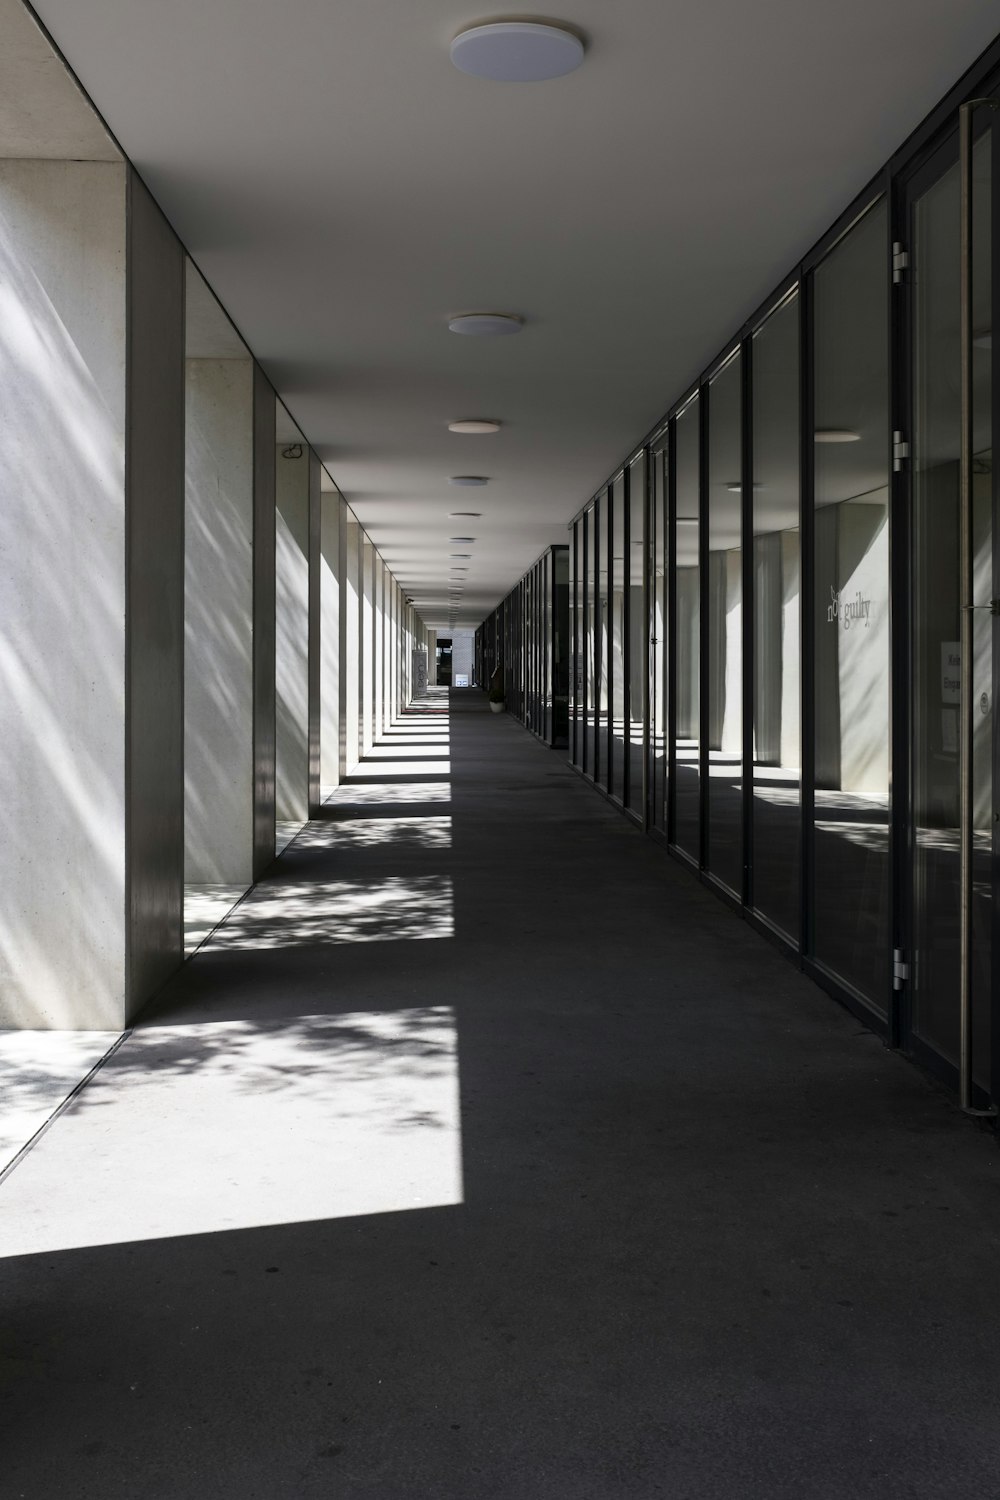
(952, 562)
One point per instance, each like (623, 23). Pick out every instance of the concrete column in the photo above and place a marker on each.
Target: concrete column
(91, 603)
(329, 635)
(350, 640)
(379, 643)
(292, 631)
(313, 626)
(264, 407)
(218, 694)
(367, 642)
(155, 560)
(432, 675)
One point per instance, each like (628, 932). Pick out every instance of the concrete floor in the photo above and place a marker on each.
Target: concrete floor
(482, 1153)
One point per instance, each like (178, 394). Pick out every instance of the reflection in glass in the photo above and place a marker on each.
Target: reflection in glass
(590, 666)
(724, 643)
(936, 627)
(602, 631)
(851, 661)
(618, 633)
(658, 639)
(777, 754)
(637, 628)
(559, 615)
(575, 685)
(687, 820)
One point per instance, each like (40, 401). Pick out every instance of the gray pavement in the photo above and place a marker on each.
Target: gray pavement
(482, 1153)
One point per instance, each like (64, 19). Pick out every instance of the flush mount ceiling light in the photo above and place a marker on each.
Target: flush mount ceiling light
(459, 554)
(474, 424)
(468, 481)
(486, 325)
(517, 51)
(464, 515)
(836, 435)
(461, 539)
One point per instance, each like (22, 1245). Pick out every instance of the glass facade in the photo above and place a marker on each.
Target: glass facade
(686, 642)
(528, 638)
(777, 608)
(783, 608)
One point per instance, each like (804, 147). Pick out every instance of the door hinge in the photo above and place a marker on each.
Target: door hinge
(900, 451)
(900, 261)
(900, 968)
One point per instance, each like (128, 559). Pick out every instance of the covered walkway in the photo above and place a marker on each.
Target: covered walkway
(481, 1153)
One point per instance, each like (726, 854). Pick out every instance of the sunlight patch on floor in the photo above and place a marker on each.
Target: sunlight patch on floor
(38, 1071)
(290, 914)
(426, 832)
(424, 791)
(233, 1125)
(205, 906)
(421, 767)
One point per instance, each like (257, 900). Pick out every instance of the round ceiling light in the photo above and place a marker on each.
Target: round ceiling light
(474, 424)
(461, 539)
(486, 325)
(464, 515)
(468, 481)
(836, 435)
(517, 51)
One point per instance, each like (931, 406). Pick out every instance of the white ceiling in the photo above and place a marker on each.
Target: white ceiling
(344, 189)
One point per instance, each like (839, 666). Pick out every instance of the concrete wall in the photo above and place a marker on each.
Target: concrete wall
(155, 596)
(329, 638)
(350, 620)
(62, 593)
(292, 637)
(367, 642)
(314, 624)
(264, 407)
(463, 647)
(218, 629)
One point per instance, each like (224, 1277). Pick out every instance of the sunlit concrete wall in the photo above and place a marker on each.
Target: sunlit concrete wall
(218, 693)
(350, 640)
(292, 636)
(264, 409)
(62, 593)
(329, 629)
(313, 628)
(367, 643)
(91, 594)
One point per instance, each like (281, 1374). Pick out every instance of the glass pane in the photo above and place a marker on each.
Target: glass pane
(601, 623)
(658, 641)
(851, 666)
(575, 680)
(936, 626)
(591, 678)
(725, 630)
(560, 647)
(777, 775)
(618, 638)
(637, 627)
(687, 820)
